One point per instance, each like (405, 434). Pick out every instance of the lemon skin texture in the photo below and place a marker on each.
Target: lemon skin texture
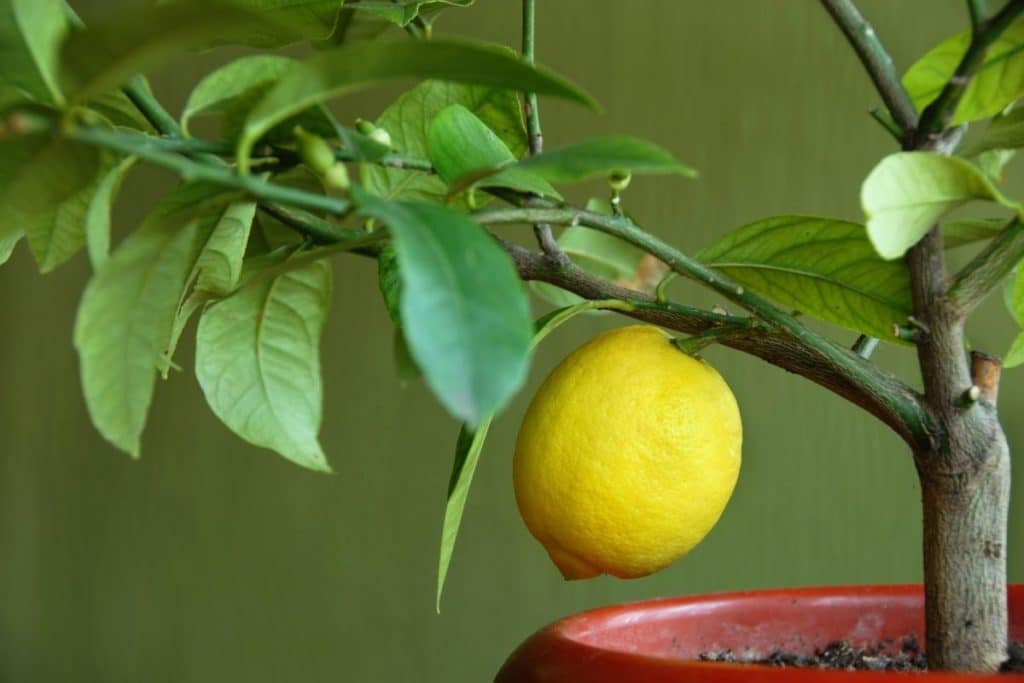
(627, 455)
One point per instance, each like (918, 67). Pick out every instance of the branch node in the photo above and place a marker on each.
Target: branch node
(986, 370)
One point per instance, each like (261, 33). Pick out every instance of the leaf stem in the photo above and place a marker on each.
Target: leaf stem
(876, 60)
(140, 95)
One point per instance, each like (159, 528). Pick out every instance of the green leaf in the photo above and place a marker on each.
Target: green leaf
(389, 282)
(907, 192)
(220, 263)
(1005, 132)
(406, 369)
(470, 444)
(128, 310)
(285, 21)
(233, 82)
(48, 197)
(7, 245)
(602, 157)
(1015, 356)
(140, 37)
(822, 267)
(118, 111)
(467, 454)
(996, 83)
(258, 362)
(31, 32)
(464, 312)
(969, 230)
(461, 146)
(348, 68)
(1014, 296)
(402, 12)
(97, 214)
(408, 120)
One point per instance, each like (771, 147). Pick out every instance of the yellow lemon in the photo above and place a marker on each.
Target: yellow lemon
(627, 455)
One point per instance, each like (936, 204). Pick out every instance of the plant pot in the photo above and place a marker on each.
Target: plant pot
(658, 641)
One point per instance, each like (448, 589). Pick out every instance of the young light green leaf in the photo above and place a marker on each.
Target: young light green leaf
(345, 69)
(127, 314)
(48, 196)
(408, 121)
(140, 37)
(31, 32)
(97, 213)
(220, 263)
(996, 83)
(602, 157)
(464, 312)
(462, 147)
(258, 361)
(1015, 356)
(822, 267)
(907, 192)
(215, 92)
(1014, 296)
(471, 441)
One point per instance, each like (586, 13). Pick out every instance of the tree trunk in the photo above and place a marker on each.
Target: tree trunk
(965, 515)
(965, 481)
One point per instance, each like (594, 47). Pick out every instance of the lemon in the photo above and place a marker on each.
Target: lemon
(627, 455)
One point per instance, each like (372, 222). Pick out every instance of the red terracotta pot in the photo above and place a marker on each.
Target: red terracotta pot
(657, 641)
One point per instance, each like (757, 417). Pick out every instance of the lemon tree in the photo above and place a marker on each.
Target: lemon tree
(613, 475)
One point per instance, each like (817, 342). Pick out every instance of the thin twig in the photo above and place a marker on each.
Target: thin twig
(876, 61)
(976, 9)
(535, 137)
(158, 117)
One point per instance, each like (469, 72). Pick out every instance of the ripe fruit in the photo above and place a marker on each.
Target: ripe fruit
(627, 455)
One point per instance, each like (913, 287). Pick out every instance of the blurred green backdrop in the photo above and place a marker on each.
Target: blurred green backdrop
(210, 560)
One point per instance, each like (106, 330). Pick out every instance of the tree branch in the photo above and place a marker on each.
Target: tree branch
(790, 345)
(937, 115)
(983, 273)
(876, 60)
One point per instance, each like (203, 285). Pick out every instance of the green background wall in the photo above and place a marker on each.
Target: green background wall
(210, 560)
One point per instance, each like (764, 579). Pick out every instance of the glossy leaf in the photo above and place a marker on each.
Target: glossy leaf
(97, 214)
(348, 68)
(822, 267)
(258, 362)
(48, 197)
(464, 312)
(220, 263)
(461, 146)
(601, 157)
(31, 32)
(127, 314)
(408, 120)
(996, 83)
(906, 193)
(140, 37)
